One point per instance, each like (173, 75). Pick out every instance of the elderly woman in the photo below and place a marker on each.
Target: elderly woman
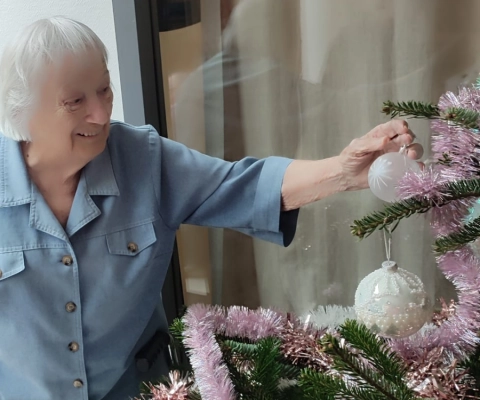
(89, 208)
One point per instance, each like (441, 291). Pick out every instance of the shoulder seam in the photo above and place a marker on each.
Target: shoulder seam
(152, 131)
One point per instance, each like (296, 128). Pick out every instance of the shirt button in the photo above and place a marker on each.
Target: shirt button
(1, 273)
(67, 260)
(132, 247)
(70, 306)
(73, 346)
(78, 383)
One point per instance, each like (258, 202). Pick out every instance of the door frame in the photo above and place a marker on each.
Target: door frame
(140, 65)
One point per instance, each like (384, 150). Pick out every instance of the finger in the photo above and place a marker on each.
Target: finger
(410, 132)
(400, 126)
(366, 145)
(402, 140)
(398, 142)
(390, 129)
(415, 151)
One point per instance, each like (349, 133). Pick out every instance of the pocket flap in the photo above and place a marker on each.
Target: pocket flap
(11, 264)
(130, 242)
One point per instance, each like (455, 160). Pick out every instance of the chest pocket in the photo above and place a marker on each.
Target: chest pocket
(11, 264)
(132, 241)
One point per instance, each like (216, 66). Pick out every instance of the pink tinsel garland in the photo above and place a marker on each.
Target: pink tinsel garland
(459, 334)
(211, 374)
(203, 322)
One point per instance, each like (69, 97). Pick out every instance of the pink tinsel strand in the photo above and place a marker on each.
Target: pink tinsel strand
(202, 322)
(261, 323)
(211, 374)
(462, 268)
(426, 184)
(448, 136)
(449, 218)
(460, 144)
(430, 185)
(468, 97)
(253, 324)
(176, 389)
(458, 335)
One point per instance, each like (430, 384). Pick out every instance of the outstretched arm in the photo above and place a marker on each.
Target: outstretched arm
(309, 181)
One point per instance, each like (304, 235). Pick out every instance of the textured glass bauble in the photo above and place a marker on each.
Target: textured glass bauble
(392, 302)
(385, 173)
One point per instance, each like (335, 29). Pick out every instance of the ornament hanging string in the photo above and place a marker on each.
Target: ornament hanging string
(387, 233)
(387, 238)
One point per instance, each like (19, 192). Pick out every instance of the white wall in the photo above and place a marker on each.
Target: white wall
(97, 14)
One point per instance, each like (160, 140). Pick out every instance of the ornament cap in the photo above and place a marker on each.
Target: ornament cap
(390, 266)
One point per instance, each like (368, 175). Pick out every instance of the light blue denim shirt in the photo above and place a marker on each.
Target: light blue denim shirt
(77, 304)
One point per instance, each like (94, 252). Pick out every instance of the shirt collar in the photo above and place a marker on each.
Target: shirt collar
(15, 184)
(100, 177)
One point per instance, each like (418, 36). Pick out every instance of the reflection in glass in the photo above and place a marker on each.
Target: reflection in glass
(302, 79)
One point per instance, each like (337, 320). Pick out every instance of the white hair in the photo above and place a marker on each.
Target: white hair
(44, 42)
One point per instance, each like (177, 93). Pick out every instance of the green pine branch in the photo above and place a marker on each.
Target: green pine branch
(469, 233)
(472, 364)
(194, 395)
(445, 160)
(177, 328)
(240, 380)
(234, 353)
(249, 351)
(417, 109)
(462, 116)
(317, 385)
(368, 379)
(375, 350)
(290, 371)
(393, 212)
(245, 350)
(292, 393)
(267, 369)
(405, 208)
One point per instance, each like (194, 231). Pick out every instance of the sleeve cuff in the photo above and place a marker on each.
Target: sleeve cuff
(277, 226)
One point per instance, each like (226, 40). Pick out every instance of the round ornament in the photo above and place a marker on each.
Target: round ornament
(385, 173)
(392, 302)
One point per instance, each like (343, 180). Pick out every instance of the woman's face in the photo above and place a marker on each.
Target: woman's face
(71, 121)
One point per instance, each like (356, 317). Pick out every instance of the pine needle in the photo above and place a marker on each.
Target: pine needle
(376, 351)
(405, 208)
(469, 233)
(416, 109)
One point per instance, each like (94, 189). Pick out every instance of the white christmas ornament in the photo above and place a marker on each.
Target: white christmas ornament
(392, 302)
(385, 173)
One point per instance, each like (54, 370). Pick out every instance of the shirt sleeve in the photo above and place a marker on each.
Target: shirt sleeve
(197, 189)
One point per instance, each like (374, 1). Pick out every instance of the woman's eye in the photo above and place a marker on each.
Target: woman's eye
(105, 90)
(74, 102)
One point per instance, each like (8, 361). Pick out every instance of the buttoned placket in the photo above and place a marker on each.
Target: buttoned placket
(73, 311)
(73, 346)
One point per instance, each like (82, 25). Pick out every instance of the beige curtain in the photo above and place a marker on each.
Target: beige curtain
(302, 78)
